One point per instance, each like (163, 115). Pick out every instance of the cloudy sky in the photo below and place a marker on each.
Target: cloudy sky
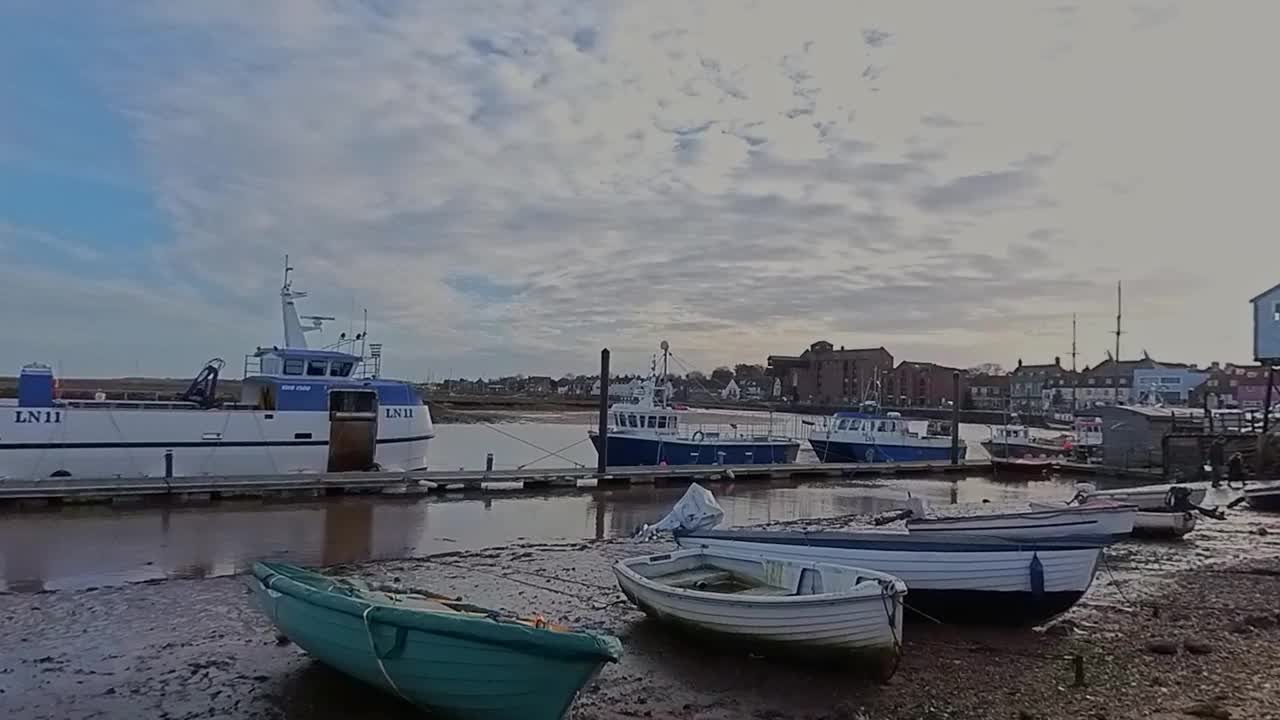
(509, 186)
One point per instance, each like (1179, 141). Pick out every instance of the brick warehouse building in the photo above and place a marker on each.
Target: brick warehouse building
(827, 376)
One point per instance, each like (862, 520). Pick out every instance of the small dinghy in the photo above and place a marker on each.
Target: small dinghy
(1263, 496)
(1173, 516)
(1150, 497)
(981, 580)
(772, 605)
(450, 658)
(1101, 519)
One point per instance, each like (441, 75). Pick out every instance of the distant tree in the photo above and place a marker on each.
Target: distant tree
(696, 376)
(722, 375)
(985, 369)
(744, 370)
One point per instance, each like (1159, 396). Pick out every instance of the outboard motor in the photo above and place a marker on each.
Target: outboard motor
(203, 389)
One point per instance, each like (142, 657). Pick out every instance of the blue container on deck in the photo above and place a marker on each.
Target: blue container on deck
(35, 386)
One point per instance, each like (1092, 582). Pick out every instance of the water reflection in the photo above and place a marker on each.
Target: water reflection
(91, 546)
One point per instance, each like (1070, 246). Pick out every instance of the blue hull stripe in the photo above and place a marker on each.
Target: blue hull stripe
(832, 451)
(198, 443)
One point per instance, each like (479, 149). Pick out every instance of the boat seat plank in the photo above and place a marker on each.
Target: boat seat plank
(689, 578)
(765, 590)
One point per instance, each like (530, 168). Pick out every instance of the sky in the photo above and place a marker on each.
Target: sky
(509, 185)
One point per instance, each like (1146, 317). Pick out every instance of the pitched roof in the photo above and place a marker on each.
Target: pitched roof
(1264, 294)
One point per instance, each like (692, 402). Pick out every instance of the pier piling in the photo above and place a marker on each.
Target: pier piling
(602, 461)
(955, 418)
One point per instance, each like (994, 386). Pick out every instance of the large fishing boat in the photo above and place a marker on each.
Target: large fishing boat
(646, 430)
(299, 410)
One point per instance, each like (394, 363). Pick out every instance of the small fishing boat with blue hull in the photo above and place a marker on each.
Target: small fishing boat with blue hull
(647, 430)
(874, 437)
(447, 657)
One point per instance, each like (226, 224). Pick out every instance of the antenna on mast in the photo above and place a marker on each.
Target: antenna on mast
(1073, 343)
(1119, 312)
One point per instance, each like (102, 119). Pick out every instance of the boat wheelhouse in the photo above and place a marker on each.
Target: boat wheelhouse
(299, 410)
(646, 430)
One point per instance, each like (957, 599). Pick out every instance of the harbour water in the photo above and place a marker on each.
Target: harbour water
(88, 546)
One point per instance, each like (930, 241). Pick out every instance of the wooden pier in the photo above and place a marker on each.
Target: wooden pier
(294, 485)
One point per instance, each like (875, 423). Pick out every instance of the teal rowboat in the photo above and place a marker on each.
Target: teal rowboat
(452, 659)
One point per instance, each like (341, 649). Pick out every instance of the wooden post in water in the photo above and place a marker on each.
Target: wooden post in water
(955, 418)
(602, 462)
(1266, 408)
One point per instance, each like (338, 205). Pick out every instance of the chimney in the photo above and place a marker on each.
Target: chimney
(1019, 362)
(1057, 360)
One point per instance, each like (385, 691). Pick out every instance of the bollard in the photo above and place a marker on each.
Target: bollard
(1077, 664)
(488, 462)
(168, 463)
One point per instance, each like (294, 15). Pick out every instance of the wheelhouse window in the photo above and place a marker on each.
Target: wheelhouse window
(843, 424)
(653, 421)
(293, 366)
(340, 368)
(631, 421)
(671, 423)
(317, 368)
(662, 422)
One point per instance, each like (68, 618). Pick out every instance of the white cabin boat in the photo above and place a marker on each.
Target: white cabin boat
(871, 436)
(647, 430)
(1015, 441)
(774, 605)
(300, 410)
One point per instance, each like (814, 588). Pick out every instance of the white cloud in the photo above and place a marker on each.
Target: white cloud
(951, 180)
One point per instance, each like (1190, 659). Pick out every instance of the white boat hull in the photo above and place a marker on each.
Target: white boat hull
(1148, 523)
(122, 442)
(1045, 520)
(866, 617)
(1146, 497)
(960, 580)
(1263, 496)
(1163, 524)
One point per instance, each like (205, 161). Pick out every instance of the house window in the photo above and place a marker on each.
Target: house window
(1275, 312)
(1213, 382)
(293, 366)
(1251, 374)
(1107, 381)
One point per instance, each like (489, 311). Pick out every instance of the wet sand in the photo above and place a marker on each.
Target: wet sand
(199, 648)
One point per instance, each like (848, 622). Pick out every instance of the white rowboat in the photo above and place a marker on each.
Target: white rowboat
(1165, 522)
(1102, 519)
(770, 604)
(1147, 497)
(952, 579)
